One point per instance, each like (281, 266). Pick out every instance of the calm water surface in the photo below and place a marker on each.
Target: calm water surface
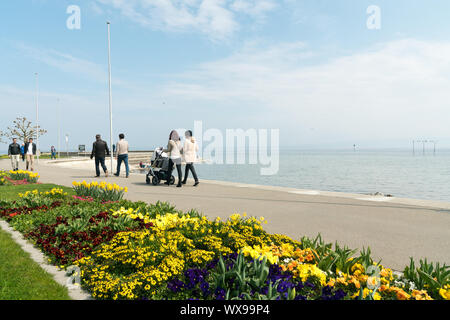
(395, 172)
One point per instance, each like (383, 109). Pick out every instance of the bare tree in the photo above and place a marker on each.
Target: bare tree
(22, 129)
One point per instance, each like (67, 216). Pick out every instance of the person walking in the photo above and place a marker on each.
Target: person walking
(22, 151)
(53, 153)
(189, 151)
(122, 155)
(14, 154)
(100, 150)
(30, 152)
(173, 150)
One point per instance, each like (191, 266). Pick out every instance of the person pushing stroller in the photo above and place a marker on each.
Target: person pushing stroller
(174, 152)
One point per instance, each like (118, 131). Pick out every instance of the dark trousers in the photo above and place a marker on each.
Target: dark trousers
(124, 158)
(180, 175)
(100, 161)
(190, 166)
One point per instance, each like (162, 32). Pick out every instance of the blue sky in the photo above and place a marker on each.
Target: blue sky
(310, 68)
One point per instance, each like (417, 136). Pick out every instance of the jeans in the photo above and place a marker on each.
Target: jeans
(171, 163)
(190, 166)
(124, 158)
(98, 161)
(53, 156)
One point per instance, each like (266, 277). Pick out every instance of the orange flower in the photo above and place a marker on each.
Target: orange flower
(331, 282)
(383, 288)
(420, 295)
(402, 295)
(355, 282)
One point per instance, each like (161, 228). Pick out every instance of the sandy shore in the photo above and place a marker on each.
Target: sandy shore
(394, 228)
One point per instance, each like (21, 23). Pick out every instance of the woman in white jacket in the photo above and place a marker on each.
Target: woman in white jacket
(173, 149)
(190, 150)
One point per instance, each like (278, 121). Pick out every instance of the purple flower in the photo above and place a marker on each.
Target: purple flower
(220, 294)
(175, 285)
(204, 286)
(284, 286)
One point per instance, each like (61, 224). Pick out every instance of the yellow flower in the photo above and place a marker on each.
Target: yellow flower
(306, 271)
(357, 269)
(445, 292)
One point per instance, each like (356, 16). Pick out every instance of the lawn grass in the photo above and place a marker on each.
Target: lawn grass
(23, 279)
(42, 156)
(10, 192)
(20, 277)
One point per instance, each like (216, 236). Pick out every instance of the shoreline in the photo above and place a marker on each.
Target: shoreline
(427, 203)
(354, 196)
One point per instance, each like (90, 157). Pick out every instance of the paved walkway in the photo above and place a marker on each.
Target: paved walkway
(395, 229)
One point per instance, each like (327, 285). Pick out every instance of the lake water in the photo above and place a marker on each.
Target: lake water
(395, 172)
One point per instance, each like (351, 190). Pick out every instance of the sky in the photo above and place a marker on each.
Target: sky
(310, 68)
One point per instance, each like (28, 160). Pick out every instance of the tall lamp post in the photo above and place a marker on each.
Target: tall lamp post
(110, 95)
(37, 116)
(59, 128)
(67, 145)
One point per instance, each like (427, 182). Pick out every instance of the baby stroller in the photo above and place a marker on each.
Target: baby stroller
(159, 169)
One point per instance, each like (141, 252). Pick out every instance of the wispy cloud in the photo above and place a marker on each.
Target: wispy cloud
(254, 8)
(65, 62)
(396, 89)
(218, 19)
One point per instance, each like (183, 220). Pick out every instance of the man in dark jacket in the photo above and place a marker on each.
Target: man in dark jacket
(100, 151)
(14, 154)
(30, 152)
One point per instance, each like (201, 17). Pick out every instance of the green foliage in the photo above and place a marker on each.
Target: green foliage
(428, 275)
(245, 277)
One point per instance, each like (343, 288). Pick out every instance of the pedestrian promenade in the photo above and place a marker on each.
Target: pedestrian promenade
(395, 229)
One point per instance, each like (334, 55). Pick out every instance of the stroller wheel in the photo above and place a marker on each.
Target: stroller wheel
(155, 181)
(172, 180)
(147, 179)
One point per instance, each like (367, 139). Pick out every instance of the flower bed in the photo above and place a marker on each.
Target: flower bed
(3, 178)
(18, 177)
(104, 191)
(132, 250)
